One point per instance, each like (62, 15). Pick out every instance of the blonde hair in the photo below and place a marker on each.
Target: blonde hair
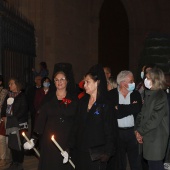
(158, 79)
(112, 82)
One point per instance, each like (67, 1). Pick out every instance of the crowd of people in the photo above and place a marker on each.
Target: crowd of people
(103, 125)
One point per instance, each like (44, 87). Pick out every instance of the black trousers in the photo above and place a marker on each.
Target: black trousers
(113, 163)
(18, 155)
(128, 145)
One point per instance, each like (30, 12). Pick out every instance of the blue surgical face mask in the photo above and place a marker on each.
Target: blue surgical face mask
(142, 75)
(131, 87)
(46, 84)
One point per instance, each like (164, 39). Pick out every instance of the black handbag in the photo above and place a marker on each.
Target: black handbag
(96, 152)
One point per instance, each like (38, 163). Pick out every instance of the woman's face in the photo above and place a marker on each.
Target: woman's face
(60, 81)
(46, 83)
(148, 82)
(90, 85)
(46, 80)
(12, 86)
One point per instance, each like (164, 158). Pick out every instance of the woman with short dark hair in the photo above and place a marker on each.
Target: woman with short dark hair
(95, 128)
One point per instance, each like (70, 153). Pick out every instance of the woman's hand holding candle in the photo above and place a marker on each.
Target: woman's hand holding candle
(29, 145)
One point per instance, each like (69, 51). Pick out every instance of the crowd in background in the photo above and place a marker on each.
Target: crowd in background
(103, 123)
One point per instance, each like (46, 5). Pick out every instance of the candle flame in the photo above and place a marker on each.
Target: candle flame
(23, 134)
(52, 137)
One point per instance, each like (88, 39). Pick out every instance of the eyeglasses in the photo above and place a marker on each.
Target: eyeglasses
(60, 80)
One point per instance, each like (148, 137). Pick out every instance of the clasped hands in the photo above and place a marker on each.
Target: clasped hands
(139, 137)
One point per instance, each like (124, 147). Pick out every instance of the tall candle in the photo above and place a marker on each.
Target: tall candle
(60, 148)
(26, 138)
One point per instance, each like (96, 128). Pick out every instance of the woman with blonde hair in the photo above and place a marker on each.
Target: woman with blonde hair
(152, 123)
(111, 83)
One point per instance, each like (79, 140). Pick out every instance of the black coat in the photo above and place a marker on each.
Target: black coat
(55, 118)
(19, 108)
(126, 110)
(94, 128)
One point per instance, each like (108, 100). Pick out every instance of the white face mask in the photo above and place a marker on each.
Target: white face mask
(142, 75)
(147, 83)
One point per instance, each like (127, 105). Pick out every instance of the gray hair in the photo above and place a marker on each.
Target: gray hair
(122, 76)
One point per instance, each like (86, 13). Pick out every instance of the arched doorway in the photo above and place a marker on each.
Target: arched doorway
(114, 36)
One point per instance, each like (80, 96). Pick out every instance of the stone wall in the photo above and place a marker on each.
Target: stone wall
(67, 31)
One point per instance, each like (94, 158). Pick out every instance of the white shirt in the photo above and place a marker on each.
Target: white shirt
(129, 120)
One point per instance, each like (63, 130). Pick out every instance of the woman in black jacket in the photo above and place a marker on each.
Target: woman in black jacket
(94, 137)
(15, 111)
(56, 117)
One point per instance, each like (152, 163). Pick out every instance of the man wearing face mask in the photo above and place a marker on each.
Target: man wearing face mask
(128, 103)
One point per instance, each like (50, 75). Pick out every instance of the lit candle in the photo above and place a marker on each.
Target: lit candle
(26, 138)
(59, 147)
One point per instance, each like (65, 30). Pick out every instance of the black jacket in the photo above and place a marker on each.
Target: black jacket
(125, 110)
(19, 108)
(94, 128)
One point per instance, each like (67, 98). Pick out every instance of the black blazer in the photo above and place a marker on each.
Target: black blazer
(94, 128)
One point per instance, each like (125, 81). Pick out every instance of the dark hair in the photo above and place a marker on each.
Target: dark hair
(96, 72)
(18, 83)
(92, 75)
(71, 87)
(108, 69)
(43, 65)
(45, 78)
(66, 69)
(95, 79)
(62, 72)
